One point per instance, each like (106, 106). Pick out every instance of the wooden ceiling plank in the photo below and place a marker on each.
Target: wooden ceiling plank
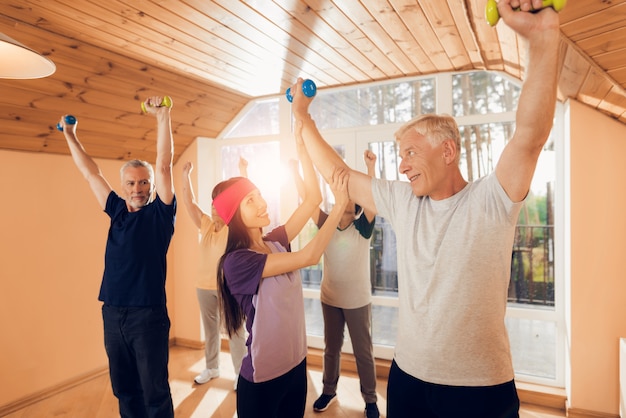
(195, 41)
(486, 39)
(288, 17)
(317, 25)
(145, 46)
(469, 19)
(346, 29)
(445, 28)
(247, 36)
(362, 18)
(573, 73)
(249, 24)
(619, 75)
(396, 25)
(215, 30)
(510, 50)
(301, 45)
(594, 87)
(600, 21)
(614, 103)
(614, 40)
(416, 22)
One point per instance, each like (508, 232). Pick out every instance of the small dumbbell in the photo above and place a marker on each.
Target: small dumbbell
(167, 102)
(69, 120)
(308, 88)
(492, 15)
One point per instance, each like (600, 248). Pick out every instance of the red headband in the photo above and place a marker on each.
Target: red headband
(227, 202)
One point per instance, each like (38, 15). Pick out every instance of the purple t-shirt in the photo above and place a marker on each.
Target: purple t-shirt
(274, 310)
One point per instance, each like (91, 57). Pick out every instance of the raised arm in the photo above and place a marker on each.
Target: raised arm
(189, 198)
(279, 263)
(324, 156)
(243, 167)
(85, 164)
(535, 111)
(312, 194)
(165, 149)
(370, 163)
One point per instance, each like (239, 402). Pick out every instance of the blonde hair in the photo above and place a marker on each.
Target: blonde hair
(436, 129)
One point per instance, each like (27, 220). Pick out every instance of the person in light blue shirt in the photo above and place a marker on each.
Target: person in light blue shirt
(454, 239)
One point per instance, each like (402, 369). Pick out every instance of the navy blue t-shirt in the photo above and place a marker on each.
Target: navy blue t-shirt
(135, 259)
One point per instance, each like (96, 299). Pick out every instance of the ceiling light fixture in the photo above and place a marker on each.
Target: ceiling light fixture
(19, 61)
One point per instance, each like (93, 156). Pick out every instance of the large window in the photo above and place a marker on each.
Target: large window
(484, 104)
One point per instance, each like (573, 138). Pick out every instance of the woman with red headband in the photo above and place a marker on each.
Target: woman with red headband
(259, 282)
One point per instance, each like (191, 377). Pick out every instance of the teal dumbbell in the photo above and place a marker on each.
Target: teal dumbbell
(308, 88)
(492, 15)
(69, 120)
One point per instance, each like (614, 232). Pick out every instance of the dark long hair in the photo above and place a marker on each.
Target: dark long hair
(238, 238)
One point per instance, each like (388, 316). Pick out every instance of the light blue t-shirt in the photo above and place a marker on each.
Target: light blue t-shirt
(454, 260)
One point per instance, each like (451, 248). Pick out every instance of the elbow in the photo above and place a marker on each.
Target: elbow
(313, 260)
(311, 256)
(317, 200)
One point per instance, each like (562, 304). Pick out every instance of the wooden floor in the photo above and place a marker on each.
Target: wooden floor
(94, 399)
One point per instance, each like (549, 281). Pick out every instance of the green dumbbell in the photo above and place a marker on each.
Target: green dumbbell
(167, 102)
(492, 15)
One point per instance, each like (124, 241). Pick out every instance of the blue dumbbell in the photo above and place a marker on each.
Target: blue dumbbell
(308, 88)
(69, 120)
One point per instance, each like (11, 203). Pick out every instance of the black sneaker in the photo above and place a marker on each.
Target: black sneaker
(371, 410)
(322, 403)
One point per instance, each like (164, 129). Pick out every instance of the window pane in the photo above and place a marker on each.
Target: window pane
(373, 105)
(384, 325)
(383, 259)
(261, 119)
(481, 146)
(482, 92)
(313, 317)
(533, 346)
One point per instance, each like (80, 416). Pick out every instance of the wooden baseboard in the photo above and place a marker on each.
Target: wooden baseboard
(193, 344)
(583, 413)
(54, 390)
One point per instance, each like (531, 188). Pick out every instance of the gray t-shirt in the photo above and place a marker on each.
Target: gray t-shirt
(454, 258)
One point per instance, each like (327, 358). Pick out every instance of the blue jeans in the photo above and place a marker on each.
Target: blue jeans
(408, 396)
(136, 340)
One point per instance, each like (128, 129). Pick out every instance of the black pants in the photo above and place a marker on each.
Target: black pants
(411, 397)
(283, 397)
(137, 344)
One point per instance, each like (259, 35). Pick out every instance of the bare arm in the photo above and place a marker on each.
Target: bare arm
(537, 102)
(85, 164)
(370, 162)
(312, 194)
(279, 263)
(189, 198)
(165, 149)
(324, 156)
(295, 173)
(243, 167)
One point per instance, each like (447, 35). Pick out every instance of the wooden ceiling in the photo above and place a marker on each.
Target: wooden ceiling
(212, 57)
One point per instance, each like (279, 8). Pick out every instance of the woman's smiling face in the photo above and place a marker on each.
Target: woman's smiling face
(253, 210)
